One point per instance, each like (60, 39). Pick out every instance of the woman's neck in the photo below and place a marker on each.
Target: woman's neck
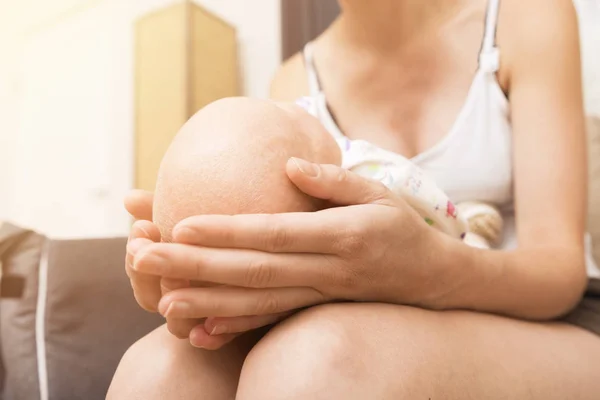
(373, 23)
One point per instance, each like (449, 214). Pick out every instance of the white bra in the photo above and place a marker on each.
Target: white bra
(473, 162)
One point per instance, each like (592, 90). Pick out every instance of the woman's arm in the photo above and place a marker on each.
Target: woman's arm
(290, 81)
(545, 276)
(378, 248)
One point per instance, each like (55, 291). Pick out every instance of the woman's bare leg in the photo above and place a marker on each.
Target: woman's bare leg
(160, 366)
(374, 351)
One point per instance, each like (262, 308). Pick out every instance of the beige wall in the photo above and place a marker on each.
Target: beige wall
(589, 24)
(66, 105)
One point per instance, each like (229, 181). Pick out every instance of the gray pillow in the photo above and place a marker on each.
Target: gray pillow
(20, 253)
(65, 337)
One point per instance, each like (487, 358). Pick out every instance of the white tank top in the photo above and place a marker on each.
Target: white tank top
(473, 161)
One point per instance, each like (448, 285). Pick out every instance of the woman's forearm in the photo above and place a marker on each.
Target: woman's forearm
(538, 283)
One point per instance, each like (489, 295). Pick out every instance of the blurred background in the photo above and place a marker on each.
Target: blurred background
(92, 91)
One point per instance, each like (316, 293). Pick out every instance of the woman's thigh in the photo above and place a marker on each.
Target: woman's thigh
(160, 366)
(375, 351)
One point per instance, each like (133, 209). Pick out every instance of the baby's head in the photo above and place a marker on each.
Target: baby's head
(230, 158)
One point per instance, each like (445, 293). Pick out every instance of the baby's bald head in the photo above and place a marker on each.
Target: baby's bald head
(230, 158)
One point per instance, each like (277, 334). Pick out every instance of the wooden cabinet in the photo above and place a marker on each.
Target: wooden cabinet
(185, 58)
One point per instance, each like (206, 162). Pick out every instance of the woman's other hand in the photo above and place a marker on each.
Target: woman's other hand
(375, 248)
(148, 289)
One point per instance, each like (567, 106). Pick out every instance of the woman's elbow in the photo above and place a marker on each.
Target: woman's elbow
(574, 287)
(570, 287)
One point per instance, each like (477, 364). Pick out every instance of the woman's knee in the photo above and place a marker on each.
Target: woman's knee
(148, 367)
(315, 354)
(358, 351)
(319, 333)
(160, 366)
(136, 378)
(353, 351)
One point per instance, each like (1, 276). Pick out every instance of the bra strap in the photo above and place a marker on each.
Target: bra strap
(309, 63)
(489, 57)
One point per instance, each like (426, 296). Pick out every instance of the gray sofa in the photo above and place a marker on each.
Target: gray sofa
(67, 315)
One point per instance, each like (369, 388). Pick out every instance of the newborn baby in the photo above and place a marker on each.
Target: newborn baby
(230, 158)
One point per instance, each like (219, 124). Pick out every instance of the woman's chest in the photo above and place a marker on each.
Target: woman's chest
(471, 159)
(406, 110)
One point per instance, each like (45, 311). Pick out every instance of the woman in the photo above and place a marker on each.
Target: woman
(396, 73)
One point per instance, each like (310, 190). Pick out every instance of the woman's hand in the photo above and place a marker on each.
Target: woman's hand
(376, 248)
(148, 289)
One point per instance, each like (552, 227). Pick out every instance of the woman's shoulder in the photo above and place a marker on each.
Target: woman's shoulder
(534, 30)
(290, 81)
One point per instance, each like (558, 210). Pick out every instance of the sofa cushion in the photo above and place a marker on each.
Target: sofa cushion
(65, 337)
(91, 316)
(20, 254)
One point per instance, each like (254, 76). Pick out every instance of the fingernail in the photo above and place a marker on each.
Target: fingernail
(179, 309)
(151, 263)
(218, 330)
(134, 246)
(307, 168)
(183, 234)
(196, 345)
(145, 232)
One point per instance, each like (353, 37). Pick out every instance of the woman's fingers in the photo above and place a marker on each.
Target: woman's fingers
(235, 302)
(181, 328)
(199, 338)
(138, 203)
(147, 233)
(233, 267)
(276, 233)
(219, 326)
(178, 327)
(336, 184)
(167, 284)
(217, 332)
(146, 288)
(293, 232)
